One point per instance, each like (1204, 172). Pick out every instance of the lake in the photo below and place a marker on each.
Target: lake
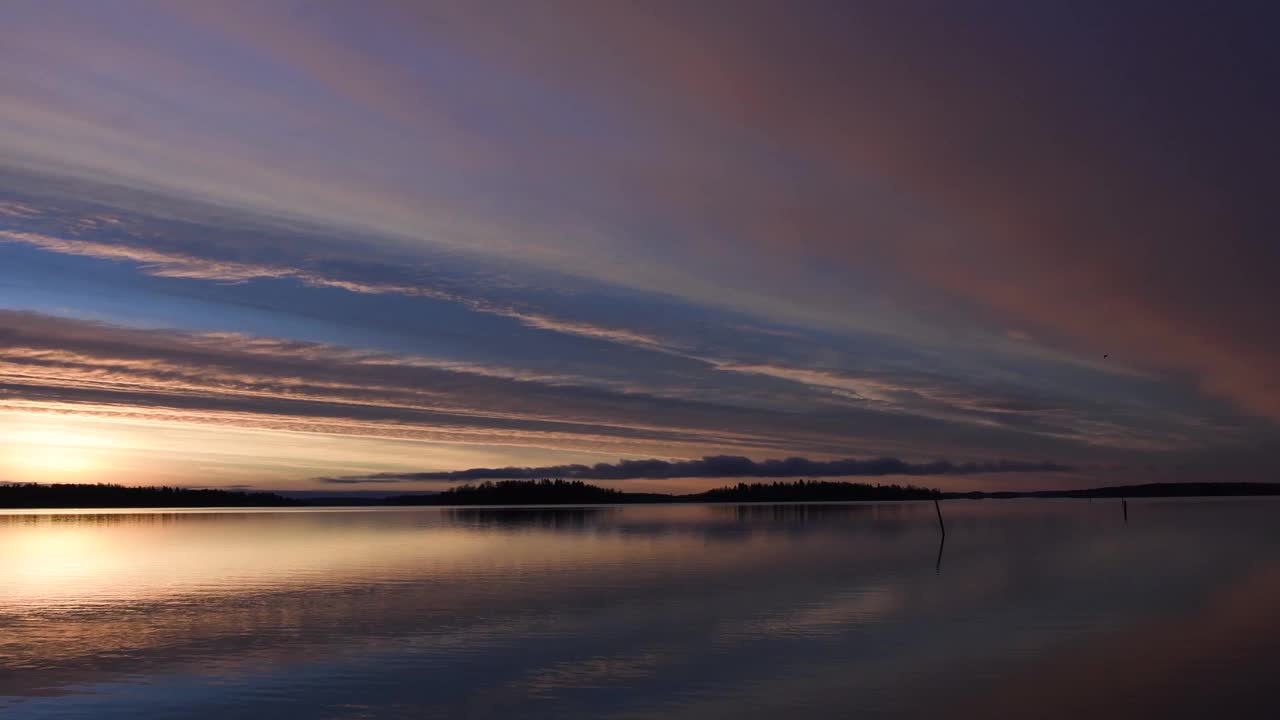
(1031, 608)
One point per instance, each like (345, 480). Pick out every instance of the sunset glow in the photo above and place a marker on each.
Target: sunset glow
(51, 454)
(252, 245)
(644, 359)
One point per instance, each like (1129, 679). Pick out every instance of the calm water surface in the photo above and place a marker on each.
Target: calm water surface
(1033, 609)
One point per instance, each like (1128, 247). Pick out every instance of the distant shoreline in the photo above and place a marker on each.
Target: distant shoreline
(28, 496)
(1147, 490)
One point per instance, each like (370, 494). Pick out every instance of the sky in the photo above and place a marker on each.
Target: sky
(325, 245)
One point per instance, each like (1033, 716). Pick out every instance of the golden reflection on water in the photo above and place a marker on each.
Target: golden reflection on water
(94, 559)
(72, 561)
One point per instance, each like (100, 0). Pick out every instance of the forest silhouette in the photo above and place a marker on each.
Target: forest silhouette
(102, 495)
(549, 491)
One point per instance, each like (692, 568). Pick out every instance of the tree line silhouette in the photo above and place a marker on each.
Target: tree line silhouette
(557, 491)
(547, 491)
(812, 491)
(519, 492)
(100, 495)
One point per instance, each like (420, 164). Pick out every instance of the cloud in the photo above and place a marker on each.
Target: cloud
(153, 262)
(937, 175)
(717, 466)
(161, 263)
(1053, 200)
(358, 480)
(57, 365)
(160, 248)
(982, 400)
(582, 329)
(917, 169)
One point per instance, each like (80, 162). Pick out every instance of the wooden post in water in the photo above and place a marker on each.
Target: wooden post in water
(941, 526)
(1124, 506)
